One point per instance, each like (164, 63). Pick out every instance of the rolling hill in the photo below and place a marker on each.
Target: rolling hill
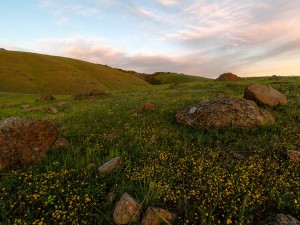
(24, 72)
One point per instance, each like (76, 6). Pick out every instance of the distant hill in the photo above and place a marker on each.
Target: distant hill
(166, 77)
(23, 72)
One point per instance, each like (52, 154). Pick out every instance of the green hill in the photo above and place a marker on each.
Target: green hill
(23, 72)
(171, 78)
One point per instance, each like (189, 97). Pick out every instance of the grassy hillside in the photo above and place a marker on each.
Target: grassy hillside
(171, 78)
(22, 72)
(191, 172)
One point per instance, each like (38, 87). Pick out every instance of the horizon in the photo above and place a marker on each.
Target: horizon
(202, 38)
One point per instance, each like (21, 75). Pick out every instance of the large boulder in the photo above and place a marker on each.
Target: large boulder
(24, 141)
(225, 112)
(127, 210)
(282, 219)
(264, 95)
(228, 77)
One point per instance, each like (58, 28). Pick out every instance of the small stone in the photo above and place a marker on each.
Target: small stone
(111, 196)
(24, 106)
(193, 110)
(61, 103)
(110, 114)
(127, 210)
(47, 97)
(90, 166)
(157, 216)
(52, 109)
(294, 156)
(61, 143)
(111, 165)
(111, 137)
(238, 156)
(148, 107)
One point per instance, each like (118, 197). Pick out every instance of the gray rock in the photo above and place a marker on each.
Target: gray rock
(111, 165)
(225, 112)
(264, 95)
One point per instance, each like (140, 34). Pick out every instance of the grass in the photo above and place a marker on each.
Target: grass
(189, 171)
(30, 73)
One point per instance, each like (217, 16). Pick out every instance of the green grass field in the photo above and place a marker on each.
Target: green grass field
(188, 171)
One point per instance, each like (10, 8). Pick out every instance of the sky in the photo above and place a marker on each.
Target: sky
(197, 37)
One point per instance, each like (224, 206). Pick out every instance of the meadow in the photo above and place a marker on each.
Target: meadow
(192, 172)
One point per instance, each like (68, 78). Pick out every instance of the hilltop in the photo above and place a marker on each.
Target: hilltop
(24, 72)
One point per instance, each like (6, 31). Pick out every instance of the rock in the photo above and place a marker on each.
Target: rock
(228, 77)
(111, 137)
(47, 97)
(24, 141)
(7, 106)
(282, 219)
(90, 166)
(238, 156)
(61, 103)
(157, 216)
(111, 165)
(264, 95)
(110, 197)
(52, 109)
(148, 107)
(225, 112)
(127, 210)
(294, 156)
(61, 144)
(24, 106)
(110, 114)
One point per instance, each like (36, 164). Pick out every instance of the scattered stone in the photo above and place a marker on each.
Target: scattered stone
(47, 97)
(111, 165)
(225, 112)
(127, 210)
(111, 137)
(294, 156)
(157, 216)
(282, 219)
(7, 106)
(24, 141)
(52, 109)
(111, 196)
(61, 103)
(238, 156)
(110, 114)
(24, 106)
(153, 138)
(193, 110)
(176, 85)
(228, 77)
(264, 95)
(148, 107)
(220, 95)
(61, 143)
(90, 166)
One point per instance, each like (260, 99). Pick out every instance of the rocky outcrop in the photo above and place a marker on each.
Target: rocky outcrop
(111, 165)
(225, 112)
(228, 77)
(24, 141)
(264, 95)
(127, 210)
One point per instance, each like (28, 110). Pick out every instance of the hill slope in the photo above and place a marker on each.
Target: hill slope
(25, 72)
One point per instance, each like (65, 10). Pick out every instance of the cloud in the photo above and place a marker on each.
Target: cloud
(167, 2)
